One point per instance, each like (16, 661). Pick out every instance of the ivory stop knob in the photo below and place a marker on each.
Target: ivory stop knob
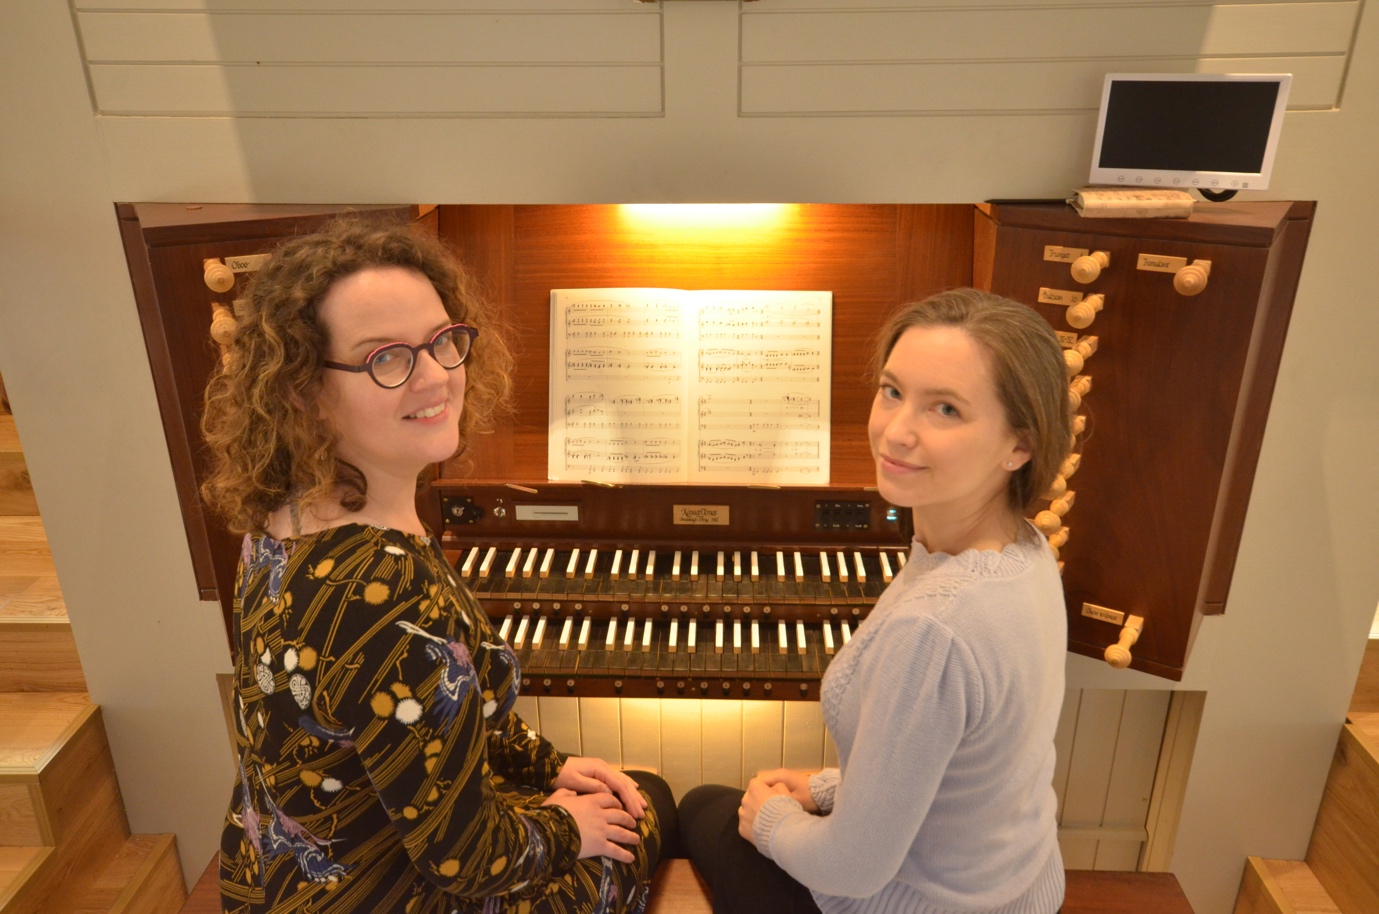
(1089, 266)
(1192, 279)
(1084, 312)
(219, 278)
(1118, 654)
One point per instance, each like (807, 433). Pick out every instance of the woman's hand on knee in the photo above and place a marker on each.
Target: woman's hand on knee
(795, 782)
(757, 793)
(594, 775)
(603, 824)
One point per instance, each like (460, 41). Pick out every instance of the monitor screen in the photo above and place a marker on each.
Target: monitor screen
(1189, 130)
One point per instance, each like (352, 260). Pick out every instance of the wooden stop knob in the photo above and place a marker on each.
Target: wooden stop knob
(1057, 488)
(1118, 654)
(219, 278)
(1192, 279)
(1089, 266)
(1047, 522)
(1084, 312)
(223, 326)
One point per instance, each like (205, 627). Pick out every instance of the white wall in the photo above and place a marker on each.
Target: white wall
(1278, 667)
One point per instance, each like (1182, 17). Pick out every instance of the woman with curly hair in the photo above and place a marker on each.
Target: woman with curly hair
(380, 765)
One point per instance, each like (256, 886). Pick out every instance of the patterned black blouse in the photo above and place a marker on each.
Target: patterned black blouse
(381, 767)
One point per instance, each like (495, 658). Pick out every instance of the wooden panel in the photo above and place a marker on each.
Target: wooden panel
(1138, 31)
(999, 86)
(682, 744)
(560, 723)
(1124, 893)
(803, 736)
(724, 740)
(763, 737)
(364, 6)
(264, 38)
(21, 822)
(1366, 694)
(1345, 841)
(641, 734)
(1131, 782)
(1063, 745)
(144, 878)
(16, 490)
(601, 737)
(1089, 772)
(1281, 887)
(39, 655)
(1170, 779)
(677, 888)
(385, 91)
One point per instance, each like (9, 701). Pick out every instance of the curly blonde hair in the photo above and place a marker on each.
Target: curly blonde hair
(265, 443)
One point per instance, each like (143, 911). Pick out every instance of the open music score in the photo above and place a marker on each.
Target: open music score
(667, 385)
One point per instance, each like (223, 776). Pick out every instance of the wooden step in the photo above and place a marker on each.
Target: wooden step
(16, 492)
(1366, 696)
(37, 651)
(1281, 887)
(144, 878)
(18, 865)
(57, 791)
(24, 548)
(1345, 840)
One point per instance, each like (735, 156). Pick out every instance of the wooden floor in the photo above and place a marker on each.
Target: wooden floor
(677, 889)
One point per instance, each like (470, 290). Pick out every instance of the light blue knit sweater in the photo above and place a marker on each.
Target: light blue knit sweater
(943, 707)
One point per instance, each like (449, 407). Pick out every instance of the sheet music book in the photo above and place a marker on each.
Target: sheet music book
(668, 385)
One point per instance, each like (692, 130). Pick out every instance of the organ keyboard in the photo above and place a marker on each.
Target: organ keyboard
(607, 611)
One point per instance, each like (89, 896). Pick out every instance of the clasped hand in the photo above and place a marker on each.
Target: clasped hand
(767, 784)
(605, 804)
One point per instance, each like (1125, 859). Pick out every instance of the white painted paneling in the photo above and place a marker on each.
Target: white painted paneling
(415, 38)
(1089, 772)
(386, 92)
(682, 744)
(371, 6)
(1019, 86)
(763, 737)
(803, 736)
(600, 723)
(641, 733)
(560, 723)
(1054, 32)
(1132, 775)
(530, 712)
(723, 742)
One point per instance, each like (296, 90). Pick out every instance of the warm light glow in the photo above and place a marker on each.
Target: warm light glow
(699, 216)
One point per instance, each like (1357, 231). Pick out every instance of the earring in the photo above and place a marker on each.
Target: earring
(1010, 464)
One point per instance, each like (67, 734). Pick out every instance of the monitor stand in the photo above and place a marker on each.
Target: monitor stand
(1216, 196)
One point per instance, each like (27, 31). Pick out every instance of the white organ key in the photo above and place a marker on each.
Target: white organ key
(691, 636)
(782, 638)
(511, 570)
(756, 637)
(842, 568)
(530, 565)
(886, 574)
(694, 565)
(672, 645)
(583, 643)
(506, 627)
(650, 564)
(612, 640)
(900, 557)
(468, 567)
(617, 563)
(566, 631)
(737, 636)
(572, 567)
(718, 637)
(546, 563)
(780, 566)
(589, 566)
(828, 637)
(756, 568)
(800, 646)
(861, 568)
(847, 632)
(632, 564)
(630, 636)
(675, 567)
(646, 635)
(520, 638)
(799, 569)
(824, 573)
(737, 566)
(487, 564)
(539, 633)
(720, 566)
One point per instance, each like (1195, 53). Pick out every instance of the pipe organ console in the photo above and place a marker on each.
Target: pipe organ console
(599, 589)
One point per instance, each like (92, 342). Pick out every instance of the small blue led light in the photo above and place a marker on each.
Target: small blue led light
(892, 514)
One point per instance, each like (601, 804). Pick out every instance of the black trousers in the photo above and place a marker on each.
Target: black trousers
(663, 802)
(742, 880)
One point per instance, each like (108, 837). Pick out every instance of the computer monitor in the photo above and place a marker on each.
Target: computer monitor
(1213, 132)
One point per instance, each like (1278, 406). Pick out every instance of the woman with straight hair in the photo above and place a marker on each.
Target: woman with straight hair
(943, 705)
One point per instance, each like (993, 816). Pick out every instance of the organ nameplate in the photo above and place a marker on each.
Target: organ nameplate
(247, 263)
(1058, 296)
(548, 512)
(1061, 254)
(700, 515)
(1160, 263)
(1092, 611)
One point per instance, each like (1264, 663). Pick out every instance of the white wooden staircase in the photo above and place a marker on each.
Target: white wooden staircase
(65, 844)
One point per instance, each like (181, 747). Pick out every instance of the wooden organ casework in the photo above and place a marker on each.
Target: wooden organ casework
(1173, 332)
